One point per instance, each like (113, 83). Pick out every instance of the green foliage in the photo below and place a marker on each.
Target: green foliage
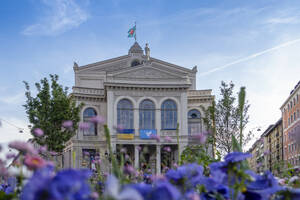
(241, 107)
(230, 118)
(4, 196)
(48, 110)
(197, 154)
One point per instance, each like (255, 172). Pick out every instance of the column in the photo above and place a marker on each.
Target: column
(183, 114)
(110, 110)
(136, 121)
(136, 157)
(158, 160)
(158, 121)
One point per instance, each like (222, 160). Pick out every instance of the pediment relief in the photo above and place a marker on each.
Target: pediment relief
(144, 72)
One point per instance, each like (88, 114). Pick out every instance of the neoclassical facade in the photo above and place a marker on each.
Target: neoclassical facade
(141, 98)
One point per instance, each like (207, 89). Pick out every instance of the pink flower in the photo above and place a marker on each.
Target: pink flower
(267, 152)
(168, 139)
(67, 124)
(201, 138)
(97, 161)
(10, 155)
(139, 148)
(129, 170)
(38, 132)
(156, 137)
(123, 150)
(167, 149)
(94, 195)
(127, 157)
(23, 147)
(3, 171)
(175, 165)
(34, 162)
(98, 119)
(53, 153)
(119, 127)
(86, 153)
(84, 126)
(43, 149)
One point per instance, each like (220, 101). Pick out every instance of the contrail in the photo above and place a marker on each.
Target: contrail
(250, 57)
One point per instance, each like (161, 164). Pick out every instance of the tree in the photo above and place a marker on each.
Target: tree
(230, 119)
(48, 110)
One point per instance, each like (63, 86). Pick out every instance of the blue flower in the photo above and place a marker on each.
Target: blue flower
(68, 184)
(189, 175)
(236, 157)
(262, 187)
(36, 187)
(163, 190)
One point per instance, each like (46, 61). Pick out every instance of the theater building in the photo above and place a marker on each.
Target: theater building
(145, 98)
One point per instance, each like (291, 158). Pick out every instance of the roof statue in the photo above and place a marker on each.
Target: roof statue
(147, 52)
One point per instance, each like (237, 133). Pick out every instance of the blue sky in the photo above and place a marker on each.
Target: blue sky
(42, 37)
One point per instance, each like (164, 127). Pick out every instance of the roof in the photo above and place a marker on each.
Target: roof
(297, 86)
(135, 48)
(272, 127)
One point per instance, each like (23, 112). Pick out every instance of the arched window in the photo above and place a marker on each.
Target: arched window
(169, 115)
(87, 115)
(194, 122)
(125, 114)
(147, 114)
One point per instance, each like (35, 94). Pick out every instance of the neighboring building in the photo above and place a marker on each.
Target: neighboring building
(291, 127)
(144, 97)
(274, 148)
(257, 162)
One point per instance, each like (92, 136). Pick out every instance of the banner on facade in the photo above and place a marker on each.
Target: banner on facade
(125, 134)
(147, 133)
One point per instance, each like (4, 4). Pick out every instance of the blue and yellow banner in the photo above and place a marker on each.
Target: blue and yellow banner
(125, 134)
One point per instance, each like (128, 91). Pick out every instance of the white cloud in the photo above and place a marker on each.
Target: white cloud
(10, 130)
(283, 20)
(14, 99)
(64, 15)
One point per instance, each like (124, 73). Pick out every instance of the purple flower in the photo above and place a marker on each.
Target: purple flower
(67, 124)
(38, 132)
(201, 138)
(168, 139)
(167, 149)
(24, 147)
(97, 119)
(84, 126)
(156, 137)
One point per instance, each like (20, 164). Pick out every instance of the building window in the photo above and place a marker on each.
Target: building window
(125, 114)
(169, 115)
(298, 114)
(87, 115)
(194, 122)
(295, 116)
(147, 114)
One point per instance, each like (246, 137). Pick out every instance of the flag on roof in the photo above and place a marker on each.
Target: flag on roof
(131, 32)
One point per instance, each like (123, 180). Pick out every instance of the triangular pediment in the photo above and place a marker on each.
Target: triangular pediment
(146, 72)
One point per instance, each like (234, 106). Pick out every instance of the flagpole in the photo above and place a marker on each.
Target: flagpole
(135, 31)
